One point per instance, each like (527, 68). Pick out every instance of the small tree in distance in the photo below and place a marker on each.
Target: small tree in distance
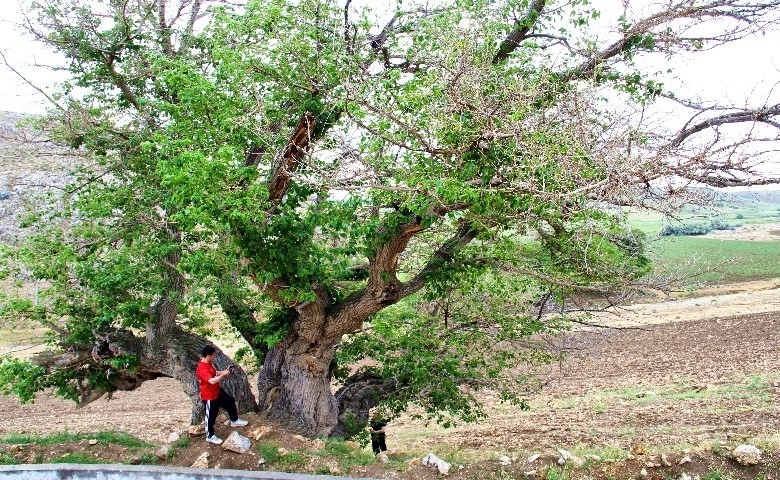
(380, 204)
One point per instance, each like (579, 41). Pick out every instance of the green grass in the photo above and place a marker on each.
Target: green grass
(705, 261)
(716, 475)
(347, 455)
(756, 390)
(736, 212)
(715, 261)
(149, 459)
(556, 473)
(338, 451)
(76, 458)
(114, 438)
(608, 452)
(600, 407)
(6, 459)
(288, 463)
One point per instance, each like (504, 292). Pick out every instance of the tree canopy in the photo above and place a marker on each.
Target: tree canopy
(406, 194)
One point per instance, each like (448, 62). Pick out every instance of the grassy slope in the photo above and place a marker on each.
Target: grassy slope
(712, 261)
(717, 261)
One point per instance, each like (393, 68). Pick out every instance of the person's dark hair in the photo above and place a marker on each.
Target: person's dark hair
(207, 350)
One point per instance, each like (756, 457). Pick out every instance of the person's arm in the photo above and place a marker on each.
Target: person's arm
(221, 375)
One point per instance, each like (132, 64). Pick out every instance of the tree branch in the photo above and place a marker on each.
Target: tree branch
(759, 115)
(279, 181)
(465, 234)
(520, 33)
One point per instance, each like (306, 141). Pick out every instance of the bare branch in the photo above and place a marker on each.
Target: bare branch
(28, 82)
(760, 115)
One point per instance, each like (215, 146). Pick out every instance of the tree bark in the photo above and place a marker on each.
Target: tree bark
(176, 356)
(359, 394)
(294, 384)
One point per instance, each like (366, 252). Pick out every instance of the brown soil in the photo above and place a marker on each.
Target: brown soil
(693, 388)
(756, 232)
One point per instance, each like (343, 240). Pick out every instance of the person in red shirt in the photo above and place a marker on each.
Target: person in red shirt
(212, 395)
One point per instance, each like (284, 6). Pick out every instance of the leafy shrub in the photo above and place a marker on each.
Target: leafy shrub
(678, 230)
(697, 229)
(739, 216)
(719, 224)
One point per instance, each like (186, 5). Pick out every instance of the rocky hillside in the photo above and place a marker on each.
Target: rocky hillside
(31, 168)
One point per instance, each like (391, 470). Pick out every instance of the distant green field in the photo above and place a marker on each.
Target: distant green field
(715, 261)
(651, 222)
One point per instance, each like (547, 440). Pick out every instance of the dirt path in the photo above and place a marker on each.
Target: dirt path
(754, 232)
(714, 302)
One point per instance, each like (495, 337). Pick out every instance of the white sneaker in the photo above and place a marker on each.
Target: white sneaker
(214, 439)
(239, 423)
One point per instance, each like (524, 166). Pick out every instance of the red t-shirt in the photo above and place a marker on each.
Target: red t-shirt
(205, 372)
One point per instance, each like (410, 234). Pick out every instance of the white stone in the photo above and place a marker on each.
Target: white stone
(592, 457)
(259, 432)
(747, 454)
(643, 473)
(282, 451)
(432, 460)
(533, 458)
(530, 473)
(236, 442)
(382, 458)
(173, 437)
(202, 461)
(163, 452)
(333, 468)
(685, 476)
(567, 456)
(196, 430)
(504, 460)
(665, 461)
(300, 438)
(318, 444)
(684, 460)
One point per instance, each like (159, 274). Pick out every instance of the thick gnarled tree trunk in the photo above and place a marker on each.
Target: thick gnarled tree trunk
(175, 355)
(359, 394)
(294, 385)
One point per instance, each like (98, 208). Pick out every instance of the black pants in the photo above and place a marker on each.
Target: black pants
(225, 401)
(378, 443)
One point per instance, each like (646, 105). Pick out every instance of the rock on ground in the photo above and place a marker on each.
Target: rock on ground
(747, 454)
(433, 461)
(237, 443)
(202, 461)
